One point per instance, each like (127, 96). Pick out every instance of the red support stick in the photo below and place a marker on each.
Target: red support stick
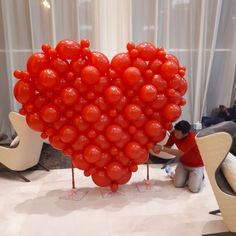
(148, 169)
(73, 175)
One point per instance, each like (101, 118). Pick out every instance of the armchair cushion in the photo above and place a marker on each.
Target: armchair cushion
(229, 170)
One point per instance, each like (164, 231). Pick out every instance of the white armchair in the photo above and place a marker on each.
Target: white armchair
(27, 153)
(214, 144)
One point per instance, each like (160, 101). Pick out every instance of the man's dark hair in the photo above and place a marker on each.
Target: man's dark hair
(183, 126)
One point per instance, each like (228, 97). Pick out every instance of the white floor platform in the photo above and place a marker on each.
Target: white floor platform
(37, 209)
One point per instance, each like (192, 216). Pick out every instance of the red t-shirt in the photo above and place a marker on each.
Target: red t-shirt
(191, 157)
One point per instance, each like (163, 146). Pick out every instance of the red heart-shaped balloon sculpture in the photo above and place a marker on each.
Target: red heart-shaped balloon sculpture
(106, 116)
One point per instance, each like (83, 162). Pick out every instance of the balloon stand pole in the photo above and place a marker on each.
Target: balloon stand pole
(148, 185)
(107, 193)
(73, 194)
(73, 175)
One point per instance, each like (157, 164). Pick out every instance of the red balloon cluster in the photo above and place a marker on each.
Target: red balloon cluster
(105, 115)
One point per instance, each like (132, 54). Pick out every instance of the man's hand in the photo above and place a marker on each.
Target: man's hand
(157, 148)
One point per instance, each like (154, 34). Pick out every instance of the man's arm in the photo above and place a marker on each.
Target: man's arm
(172, 151)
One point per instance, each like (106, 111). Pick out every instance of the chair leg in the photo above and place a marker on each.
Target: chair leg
(221, 234)
(215, 212)
(43, 167)
(19, 175)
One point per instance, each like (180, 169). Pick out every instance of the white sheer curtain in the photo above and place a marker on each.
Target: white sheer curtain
(26, 24)
(201, 33)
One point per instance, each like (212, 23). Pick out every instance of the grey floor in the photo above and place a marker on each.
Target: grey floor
(54, 159)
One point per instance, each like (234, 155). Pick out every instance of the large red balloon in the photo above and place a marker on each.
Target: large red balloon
(68, 133)
(69, 95)
(147, 51)
(48, 78)
(125, 177)
(115, 170)
(114, 133)
(80, 143)
(132, 112)
(68, 49)
(49, 113)
(148, 93)
(171, 112)
(36, 63)
(61, 66)
(171, 57)
(79, 162)
(159, 83)
(91, 113)
(90, 75)
(153, 128)
(35, 122)
(101, 179)
(56, 142)
(100, 61)
(120, 62)
(131, 76)
(132, 150)
(92, 154)
(169, 69)
(24, 91)
(113, 94)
